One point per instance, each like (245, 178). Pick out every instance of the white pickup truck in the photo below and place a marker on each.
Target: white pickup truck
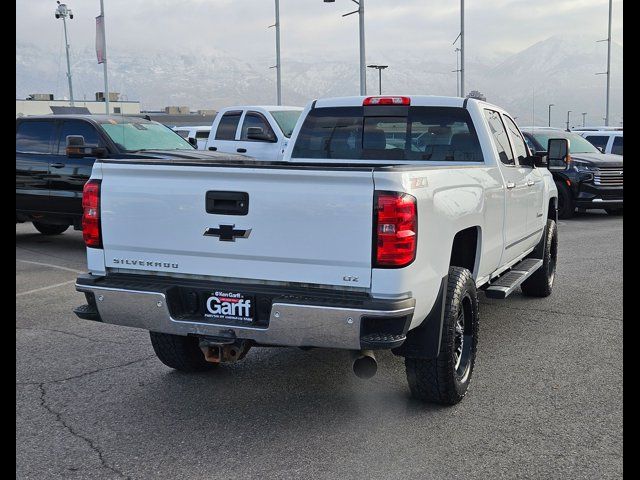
(376, 231)
(260, 132)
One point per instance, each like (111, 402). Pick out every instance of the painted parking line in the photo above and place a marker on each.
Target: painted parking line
(35, 290)
(50, 266)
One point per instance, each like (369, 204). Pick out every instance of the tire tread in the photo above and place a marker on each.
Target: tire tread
(432, 380)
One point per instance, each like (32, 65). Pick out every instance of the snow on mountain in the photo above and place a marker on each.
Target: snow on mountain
(560, 69)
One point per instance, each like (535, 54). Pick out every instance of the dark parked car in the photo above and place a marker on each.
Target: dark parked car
(50, 176)
(591, 180)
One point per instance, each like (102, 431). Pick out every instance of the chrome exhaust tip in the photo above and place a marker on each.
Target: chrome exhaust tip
(364, 363)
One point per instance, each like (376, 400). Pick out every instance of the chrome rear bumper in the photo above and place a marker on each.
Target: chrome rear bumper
(290, 324)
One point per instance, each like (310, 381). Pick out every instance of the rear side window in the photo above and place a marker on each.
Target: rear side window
(228, 126)
(617, 146)
(35, 136)
(599, 141)
(500, 136)
(77, 127)
(202, 134)
(396, 133)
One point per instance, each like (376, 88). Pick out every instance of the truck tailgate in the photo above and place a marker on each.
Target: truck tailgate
(301, 225)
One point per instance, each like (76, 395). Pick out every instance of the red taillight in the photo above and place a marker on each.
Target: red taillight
(386, 101)
(396, 229)
(91, 214)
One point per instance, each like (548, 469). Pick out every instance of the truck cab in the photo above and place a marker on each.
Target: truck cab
(260, 132)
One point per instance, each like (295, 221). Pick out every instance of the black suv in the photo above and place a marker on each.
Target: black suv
(592, 179)
(50, 177)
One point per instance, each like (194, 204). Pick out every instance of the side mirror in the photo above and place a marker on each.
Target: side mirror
(258, 133)
(193, 142)
(76, 148)
(601, 148)
(558, 154)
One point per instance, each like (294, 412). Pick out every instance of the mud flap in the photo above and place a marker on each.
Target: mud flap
(424, 340)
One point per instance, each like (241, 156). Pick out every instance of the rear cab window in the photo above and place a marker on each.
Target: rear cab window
(412, 133)
(228, 126)
(35, 136)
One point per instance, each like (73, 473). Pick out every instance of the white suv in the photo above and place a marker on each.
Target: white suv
(607, 141)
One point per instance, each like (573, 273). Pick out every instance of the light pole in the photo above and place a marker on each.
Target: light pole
(278, 65)
(457, 70)
(462, 48)
(363, 68)
(584, 115)
(608, 72)
(63, 12)
(379, 68)
(568, 112)
(104, 58)
(550, 105)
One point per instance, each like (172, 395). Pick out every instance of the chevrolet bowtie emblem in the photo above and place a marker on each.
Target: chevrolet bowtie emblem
(227, 233)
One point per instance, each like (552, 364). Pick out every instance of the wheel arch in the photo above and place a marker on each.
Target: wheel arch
(465, 249)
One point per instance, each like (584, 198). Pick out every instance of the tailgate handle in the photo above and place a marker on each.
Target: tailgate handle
(227, 203)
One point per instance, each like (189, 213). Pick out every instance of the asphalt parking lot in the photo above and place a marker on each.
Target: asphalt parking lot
(92, 401)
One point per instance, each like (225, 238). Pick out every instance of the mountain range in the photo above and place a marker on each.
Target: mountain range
(559, 70)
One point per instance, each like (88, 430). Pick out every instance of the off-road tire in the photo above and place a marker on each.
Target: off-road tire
(49, 228)
(540, 283)
(566, 203)
(179, 352)
(437, 380)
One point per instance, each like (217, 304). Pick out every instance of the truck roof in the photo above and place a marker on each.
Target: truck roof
(272, 108)
(416, 100)
(100, 118)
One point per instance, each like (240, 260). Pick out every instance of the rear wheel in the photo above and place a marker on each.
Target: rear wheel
(446, 378)
(49, 228)
(614, 211)
(566, 203)
(179, 352)
(540, 283)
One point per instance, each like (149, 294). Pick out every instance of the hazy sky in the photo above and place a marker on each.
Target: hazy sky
(311, 28)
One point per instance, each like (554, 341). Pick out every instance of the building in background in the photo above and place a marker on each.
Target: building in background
(41, 103)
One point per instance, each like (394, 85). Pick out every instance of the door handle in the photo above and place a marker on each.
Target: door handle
(241, 150)
(530, 183)
(57, 165)
(213, 149)
(511, 185)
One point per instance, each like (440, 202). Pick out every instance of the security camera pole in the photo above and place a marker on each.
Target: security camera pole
(63, 12)
(363, 66)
